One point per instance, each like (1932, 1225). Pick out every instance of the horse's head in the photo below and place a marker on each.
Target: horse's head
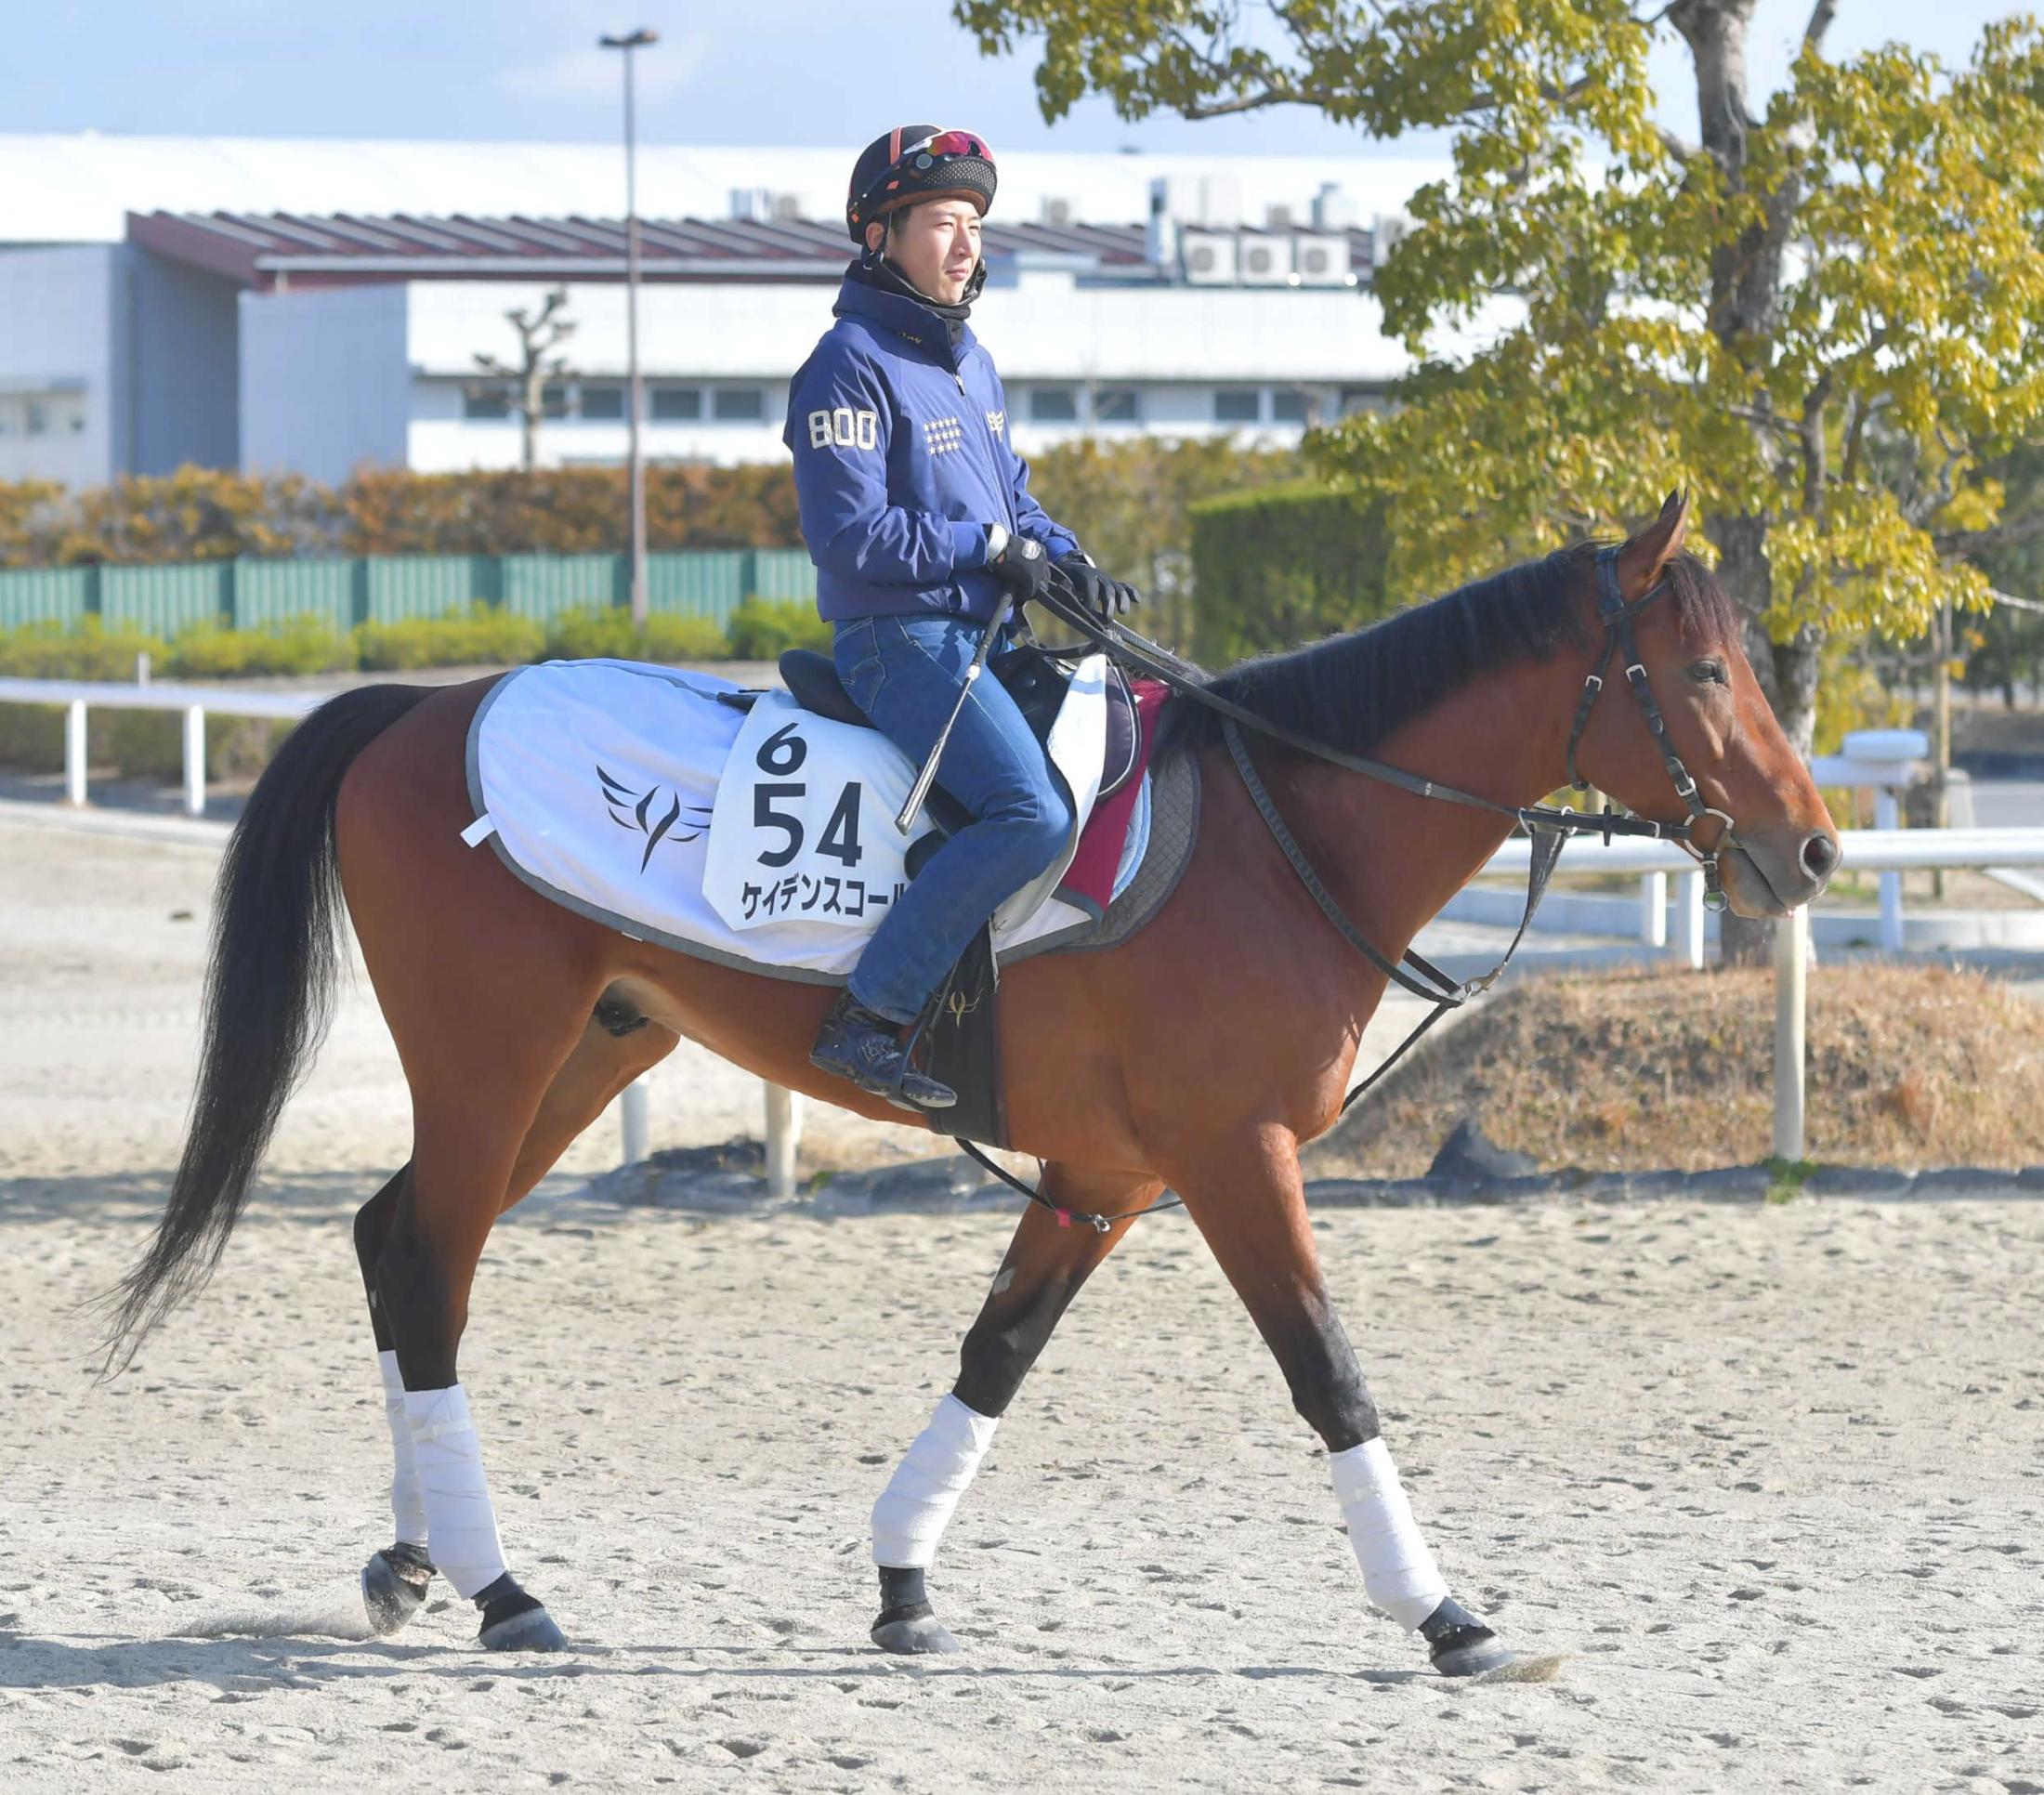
(1755, 806)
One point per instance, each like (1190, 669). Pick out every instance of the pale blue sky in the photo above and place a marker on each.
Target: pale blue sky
(794, 71)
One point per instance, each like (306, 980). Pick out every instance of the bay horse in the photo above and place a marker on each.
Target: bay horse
(1195, 1055)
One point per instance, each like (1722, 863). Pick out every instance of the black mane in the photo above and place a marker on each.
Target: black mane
(1351, 692)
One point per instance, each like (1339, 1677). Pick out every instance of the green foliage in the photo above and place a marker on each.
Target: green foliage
(1283, 565)
(477, 637)
(761, 628)
(1130, 502)
(1821, 319)
(303, 644)
(610, 634)
(91, 651)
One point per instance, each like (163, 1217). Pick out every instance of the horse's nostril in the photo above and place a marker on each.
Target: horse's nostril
(1820, 854)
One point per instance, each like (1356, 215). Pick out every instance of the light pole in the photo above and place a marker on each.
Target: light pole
(636, 40)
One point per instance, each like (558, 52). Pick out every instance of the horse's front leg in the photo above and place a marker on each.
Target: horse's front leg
(1042, 1271)
(1251, 1207)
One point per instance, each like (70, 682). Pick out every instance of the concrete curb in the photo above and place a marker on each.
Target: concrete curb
(725, 1181)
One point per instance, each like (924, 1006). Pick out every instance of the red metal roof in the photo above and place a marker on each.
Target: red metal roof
(267, 249)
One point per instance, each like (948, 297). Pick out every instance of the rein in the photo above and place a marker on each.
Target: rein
(1549, 826)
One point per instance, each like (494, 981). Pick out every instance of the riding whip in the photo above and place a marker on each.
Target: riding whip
(927, 777)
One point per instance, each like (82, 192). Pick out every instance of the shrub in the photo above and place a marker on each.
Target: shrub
(610, 634)
(303, 644)
(89, 651)
(478, 637)
(1281, 566)
(761, 628)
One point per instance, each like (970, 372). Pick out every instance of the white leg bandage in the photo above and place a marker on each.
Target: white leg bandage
(1400, 1575)
(917, 1505)
(461, 1526)
(406, 1504)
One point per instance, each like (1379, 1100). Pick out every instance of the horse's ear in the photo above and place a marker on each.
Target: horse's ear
(1645, 557)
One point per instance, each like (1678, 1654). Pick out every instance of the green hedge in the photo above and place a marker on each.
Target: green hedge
(761, 628)
(1280, 566)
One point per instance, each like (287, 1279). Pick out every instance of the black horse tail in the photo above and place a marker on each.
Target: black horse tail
(269, 995)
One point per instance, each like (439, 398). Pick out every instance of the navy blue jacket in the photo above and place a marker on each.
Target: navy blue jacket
(902, 461)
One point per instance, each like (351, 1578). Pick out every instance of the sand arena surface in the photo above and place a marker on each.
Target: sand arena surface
(1769, 1479)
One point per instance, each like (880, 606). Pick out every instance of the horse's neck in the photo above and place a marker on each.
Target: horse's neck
(1395, 859)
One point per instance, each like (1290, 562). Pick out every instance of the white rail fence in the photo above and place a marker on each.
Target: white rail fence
(75, 697)
(1883, 763)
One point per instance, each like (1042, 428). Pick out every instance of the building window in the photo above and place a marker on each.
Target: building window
(1361, 398)
(1287, 405)
(479, 403)
(1114, 405)
(738, 405)
(38, 418)
(1053, 405)
(677, 405)
(552, 400)
(1237, 405)
(603, 404)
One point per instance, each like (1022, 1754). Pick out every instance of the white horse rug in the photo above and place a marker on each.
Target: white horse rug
(763, 837)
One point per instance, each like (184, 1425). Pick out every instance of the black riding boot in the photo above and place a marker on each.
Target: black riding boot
(865, 1047)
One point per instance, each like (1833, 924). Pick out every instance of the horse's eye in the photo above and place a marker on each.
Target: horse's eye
(1709, 673)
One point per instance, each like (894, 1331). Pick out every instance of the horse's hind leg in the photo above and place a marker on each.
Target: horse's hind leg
(396, 1579)
(609, 1055)
(1043, 1272)
(1252, 1212)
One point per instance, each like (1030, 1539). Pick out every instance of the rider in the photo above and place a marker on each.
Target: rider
(917, 513)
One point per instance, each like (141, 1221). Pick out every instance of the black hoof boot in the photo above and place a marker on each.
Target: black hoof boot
(1460, 1644)
(514, 1621)
(864, 1047)
(908, 1624)
(394, 1586)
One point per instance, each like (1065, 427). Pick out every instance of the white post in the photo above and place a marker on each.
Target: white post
(195, 761)
(1654, 910)
(783, 1137)
(632, 1119)
(1791, 969)
(74, 752)
(1888, 815)
(1690, 939)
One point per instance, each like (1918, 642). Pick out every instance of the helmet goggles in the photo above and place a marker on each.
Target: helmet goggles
(925, 166)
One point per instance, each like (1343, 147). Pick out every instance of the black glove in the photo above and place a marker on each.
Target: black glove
(1022, 567)
(1094, 590)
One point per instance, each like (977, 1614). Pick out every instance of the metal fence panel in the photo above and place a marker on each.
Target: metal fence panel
(783, 574)
(429, 586)
(166, 598)
(543, 586)
(697, 582)
(46, 594)
(270, 593)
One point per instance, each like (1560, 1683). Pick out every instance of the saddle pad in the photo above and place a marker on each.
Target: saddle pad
(595, 783)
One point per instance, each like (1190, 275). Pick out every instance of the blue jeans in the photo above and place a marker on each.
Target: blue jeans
(905, 674)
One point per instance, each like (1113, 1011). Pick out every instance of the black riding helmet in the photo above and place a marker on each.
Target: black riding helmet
(917, 162)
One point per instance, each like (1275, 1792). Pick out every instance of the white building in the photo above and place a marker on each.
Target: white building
(346, 330)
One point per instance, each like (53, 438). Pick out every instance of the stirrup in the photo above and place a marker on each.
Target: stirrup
(864, 1048)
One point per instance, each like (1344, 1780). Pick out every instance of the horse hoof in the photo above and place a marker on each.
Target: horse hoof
(514, 1621)
(532, 1632)
(1460, 1644)
(913, 1634)
(394, 1587)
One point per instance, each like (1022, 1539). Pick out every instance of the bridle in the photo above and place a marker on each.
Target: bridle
(1549, 826)
(1616, 616)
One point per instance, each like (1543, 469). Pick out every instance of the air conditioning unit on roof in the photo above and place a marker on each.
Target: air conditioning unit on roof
(1208, 258)
(1056, 213)
(1320, 258)
(1264, 259)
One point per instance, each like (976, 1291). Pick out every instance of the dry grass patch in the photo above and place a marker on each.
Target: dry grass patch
(1908, 1067)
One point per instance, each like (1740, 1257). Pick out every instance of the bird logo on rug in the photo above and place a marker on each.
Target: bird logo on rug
(642, 811)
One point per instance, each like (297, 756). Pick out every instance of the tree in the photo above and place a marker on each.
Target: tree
(1822, 319)
(526, 380)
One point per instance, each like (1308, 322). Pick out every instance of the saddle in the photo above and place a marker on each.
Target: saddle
(1033, 676)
